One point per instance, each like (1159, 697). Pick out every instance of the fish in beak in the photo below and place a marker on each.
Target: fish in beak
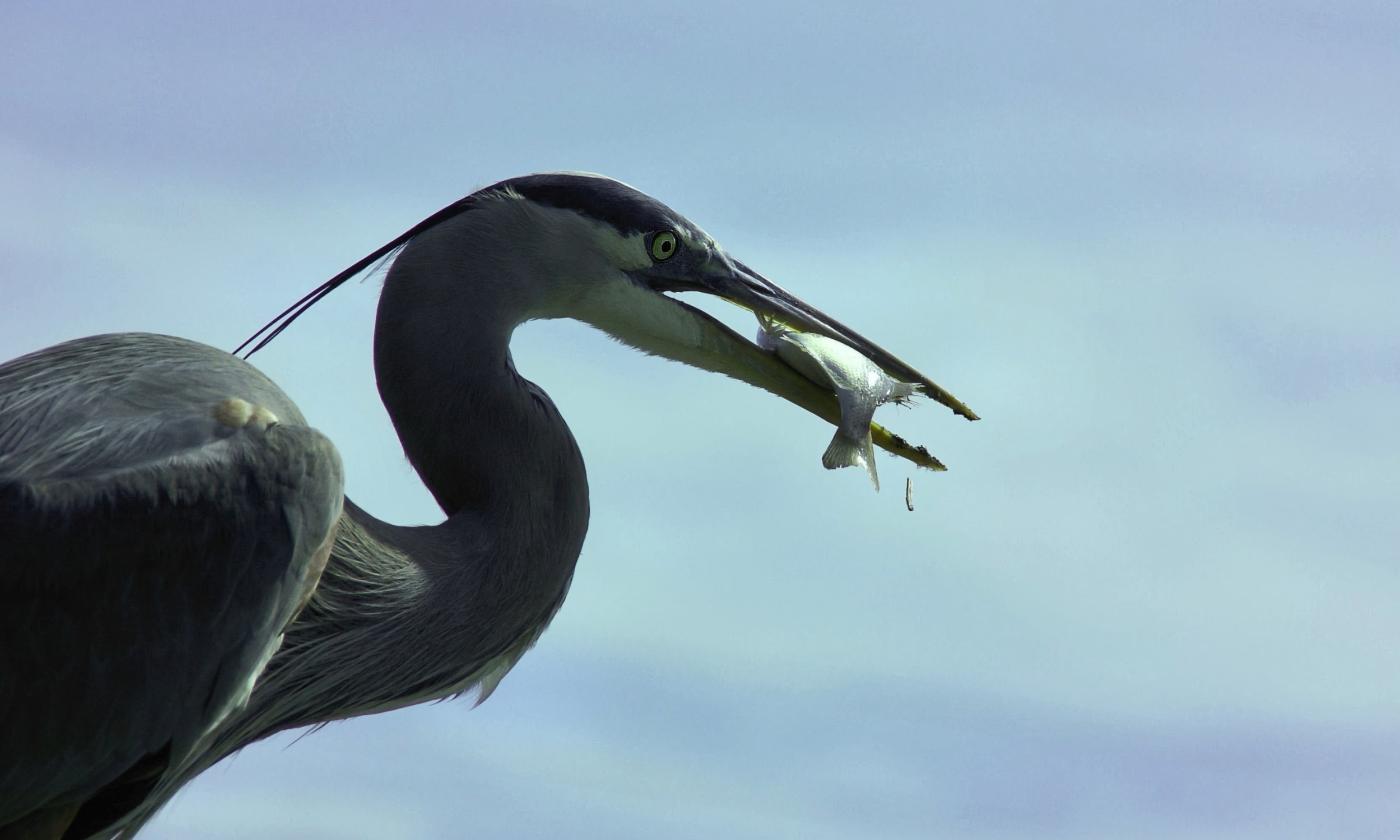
(653, 321)
(860, 385)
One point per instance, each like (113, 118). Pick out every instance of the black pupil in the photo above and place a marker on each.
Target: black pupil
(666, 245)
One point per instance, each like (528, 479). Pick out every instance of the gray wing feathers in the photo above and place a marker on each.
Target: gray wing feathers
(61, 406)
(149, 554)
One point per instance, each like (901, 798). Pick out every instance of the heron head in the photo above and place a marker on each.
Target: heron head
(620, 255)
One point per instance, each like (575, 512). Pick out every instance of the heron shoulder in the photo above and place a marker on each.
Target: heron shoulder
(151, 550)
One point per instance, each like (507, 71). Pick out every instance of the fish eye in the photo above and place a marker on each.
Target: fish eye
(663, 246)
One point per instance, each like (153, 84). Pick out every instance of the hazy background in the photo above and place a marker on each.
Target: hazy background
(1154, 245)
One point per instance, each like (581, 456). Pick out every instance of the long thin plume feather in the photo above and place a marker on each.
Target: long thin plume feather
(284, 319)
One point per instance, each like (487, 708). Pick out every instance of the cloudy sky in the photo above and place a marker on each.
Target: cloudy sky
(1156, 249)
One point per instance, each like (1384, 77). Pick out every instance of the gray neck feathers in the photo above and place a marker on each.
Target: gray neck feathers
(484, 439)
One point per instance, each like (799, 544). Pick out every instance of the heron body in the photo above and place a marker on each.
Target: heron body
(181, 574)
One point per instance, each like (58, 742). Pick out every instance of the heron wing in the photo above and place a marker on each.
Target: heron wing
(150, 556)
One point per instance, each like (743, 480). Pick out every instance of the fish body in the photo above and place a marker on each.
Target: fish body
(860, 386)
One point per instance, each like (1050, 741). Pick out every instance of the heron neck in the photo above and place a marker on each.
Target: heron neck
(488, 443)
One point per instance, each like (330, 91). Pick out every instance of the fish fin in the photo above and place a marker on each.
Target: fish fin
(902, 393)
(844, 452)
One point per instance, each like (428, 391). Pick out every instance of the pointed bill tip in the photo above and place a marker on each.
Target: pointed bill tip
(898, 446)
(941, 396)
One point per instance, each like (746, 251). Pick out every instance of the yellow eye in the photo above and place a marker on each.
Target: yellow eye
(663, 246)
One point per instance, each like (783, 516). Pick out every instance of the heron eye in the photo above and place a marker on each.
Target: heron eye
(663, 246)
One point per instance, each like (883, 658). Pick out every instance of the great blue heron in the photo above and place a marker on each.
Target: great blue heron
(181, 572)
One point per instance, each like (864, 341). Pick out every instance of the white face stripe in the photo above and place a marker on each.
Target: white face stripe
(626, 252)
(602, 294)
(692, 236)
(588, 261)
(630, 252)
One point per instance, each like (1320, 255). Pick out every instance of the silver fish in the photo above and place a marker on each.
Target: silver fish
(860, 386)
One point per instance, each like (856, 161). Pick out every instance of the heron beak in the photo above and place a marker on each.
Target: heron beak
(741, 285)
(661, 324)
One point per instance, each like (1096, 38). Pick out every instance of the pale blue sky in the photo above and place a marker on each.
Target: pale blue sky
(1156, 248)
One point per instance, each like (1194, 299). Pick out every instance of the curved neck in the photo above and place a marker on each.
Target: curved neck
(487, 442)
(496, 455)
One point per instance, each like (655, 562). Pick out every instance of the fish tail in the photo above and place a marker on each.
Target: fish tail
(844, 452)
